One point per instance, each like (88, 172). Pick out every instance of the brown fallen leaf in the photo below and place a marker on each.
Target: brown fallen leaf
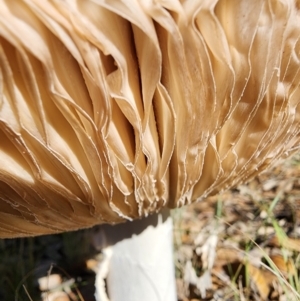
(286, 267)
(227, 255)
(292, 244)
(262, 280)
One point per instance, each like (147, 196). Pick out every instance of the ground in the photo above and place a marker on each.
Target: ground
(240, 245)
(247, 247)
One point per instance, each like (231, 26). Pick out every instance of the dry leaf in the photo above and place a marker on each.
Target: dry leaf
(292, 244)
(261, 279)
(56, 296)
(285, 266)
(49, 282)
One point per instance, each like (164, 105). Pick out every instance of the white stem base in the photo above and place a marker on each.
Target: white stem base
(139, 267)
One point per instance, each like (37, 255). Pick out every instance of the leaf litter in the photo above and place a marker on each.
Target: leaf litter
(243, 244)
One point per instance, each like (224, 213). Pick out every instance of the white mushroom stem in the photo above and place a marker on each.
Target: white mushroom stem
(138, 262)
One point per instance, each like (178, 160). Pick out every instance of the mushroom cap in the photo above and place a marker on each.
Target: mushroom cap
(112, 110)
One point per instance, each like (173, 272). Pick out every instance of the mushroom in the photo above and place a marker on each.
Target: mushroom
(113, 110)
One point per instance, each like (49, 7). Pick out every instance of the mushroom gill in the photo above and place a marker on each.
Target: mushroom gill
(111, 110)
